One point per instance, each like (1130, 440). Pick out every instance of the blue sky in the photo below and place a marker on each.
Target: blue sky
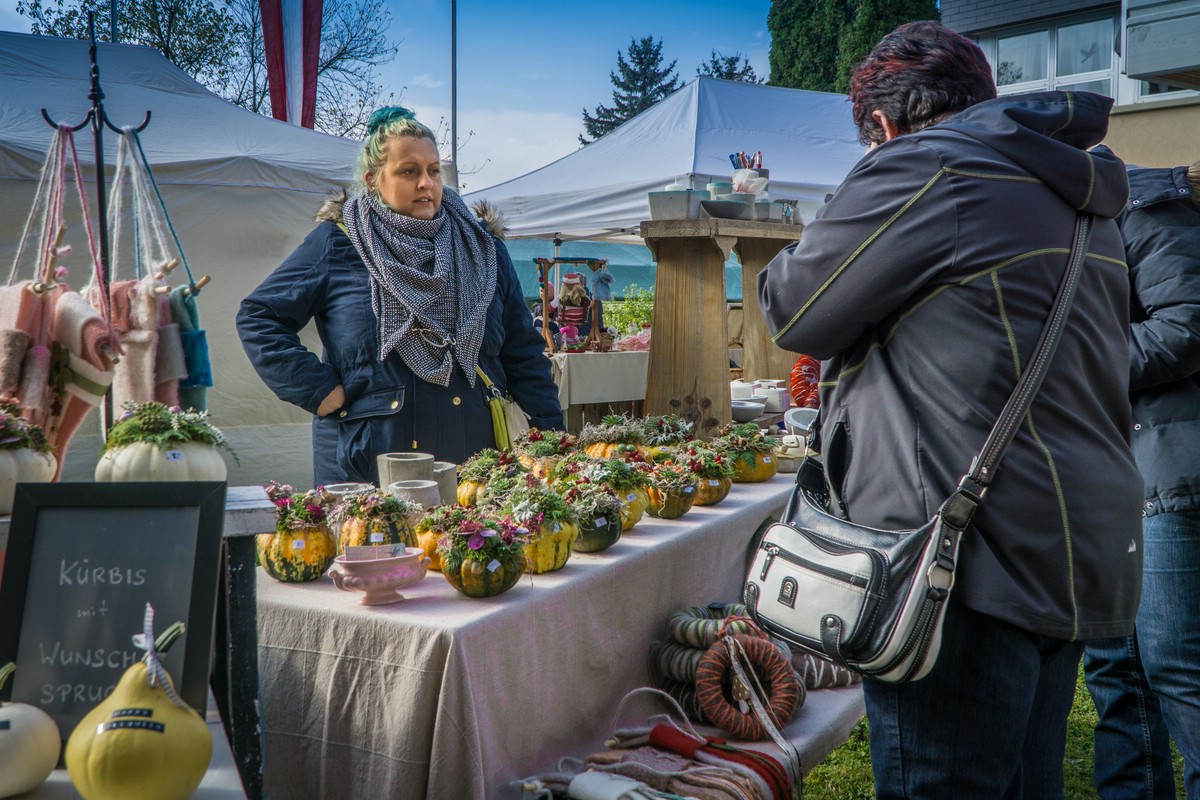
(528, 68)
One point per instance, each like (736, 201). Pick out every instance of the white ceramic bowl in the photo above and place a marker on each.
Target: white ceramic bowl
(745, 410)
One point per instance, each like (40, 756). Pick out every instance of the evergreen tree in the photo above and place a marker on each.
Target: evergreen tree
(640, 82)
(816, 43)
(804, 43)
(730, 68)
(870, 22)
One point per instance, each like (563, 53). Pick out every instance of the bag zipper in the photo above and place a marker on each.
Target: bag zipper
(774, 550)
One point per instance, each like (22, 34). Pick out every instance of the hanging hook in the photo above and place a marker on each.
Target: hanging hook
(73, 128)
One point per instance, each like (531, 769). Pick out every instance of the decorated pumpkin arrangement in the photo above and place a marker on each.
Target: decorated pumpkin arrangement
(302, 547)
(550, 524)
(665, 434)
(626, 479)
(750, 450)
(482, 556)
(540, 450)
(373, 518)
(25, 455)
(436, 523)
(672, 489)
(598, 510)
(615, 436)
(29, 744)
(713, 471)
(486, 467)
(142, 742)
(151, 442)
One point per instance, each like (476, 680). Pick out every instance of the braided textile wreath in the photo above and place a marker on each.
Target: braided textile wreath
(719, 691)
(701, 626)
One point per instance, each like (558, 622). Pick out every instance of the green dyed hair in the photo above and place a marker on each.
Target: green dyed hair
(384, 125)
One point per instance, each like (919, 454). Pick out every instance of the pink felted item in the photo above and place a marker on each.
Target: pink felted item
(86, 372)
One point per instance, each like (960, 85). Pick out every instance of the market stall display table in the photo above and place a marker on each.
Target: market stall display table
(442, 696)
(691, 365)
(587, 378)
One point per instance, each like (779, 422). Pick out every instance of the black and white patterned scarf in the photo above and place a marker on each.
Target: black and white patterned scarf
(431, 282)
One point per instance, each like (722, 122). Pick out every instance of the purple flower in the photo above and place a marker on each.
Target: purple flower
(479, 537)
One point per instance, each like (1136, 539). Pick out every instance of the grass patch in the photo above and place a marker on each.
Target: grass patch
(846, 773)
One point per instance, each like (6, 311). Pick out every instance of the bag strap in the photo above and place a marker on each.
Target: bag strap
(983, 467)
(487, 382)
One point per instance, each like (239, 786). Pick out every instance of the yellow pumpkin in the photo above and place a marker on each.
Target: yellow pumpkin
(616, 450)
(711, 491)
(763, 467)
(468, 492)
(138, 745)
(295, 555)
(634, 503)
(550, 546)
(143, 461)
(392, 529)
(540, 466)
(427, 540)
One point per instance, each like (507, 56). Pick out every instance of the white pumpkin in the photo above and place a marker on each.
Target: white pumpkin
(29, 745)
(22, 465)
(143, 461)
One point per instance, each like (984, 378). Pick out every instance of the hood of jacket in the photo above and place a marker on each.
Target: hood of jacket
(489, 214)
(1049, 134)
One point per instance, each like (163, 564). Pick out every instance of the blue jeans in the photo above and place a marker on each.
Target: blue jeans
(1133, 748)
(1168, 648)
(1168, 630)
(990, 720)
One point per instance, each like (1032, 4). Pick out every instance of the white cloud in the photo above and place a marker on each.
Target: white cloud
(427, 80)
(496, 146)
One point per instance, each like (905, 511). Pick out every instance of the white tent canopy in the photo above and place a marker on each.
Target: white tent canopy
(808, 142)
(241, 190)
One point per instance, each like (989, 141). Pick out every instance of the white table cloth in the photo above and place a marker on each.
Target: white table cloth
(442, 696)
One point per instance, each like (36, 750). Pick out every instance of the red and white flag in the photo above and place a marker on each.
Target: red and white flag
(292, 40)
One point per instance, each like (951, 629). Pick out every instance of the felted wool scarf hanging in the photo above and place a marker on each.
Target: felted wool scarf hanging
(431, 282)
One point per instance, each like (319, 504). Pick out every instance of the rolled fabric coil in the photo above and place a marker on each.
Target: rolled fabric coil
(716, 687)
(700, 626)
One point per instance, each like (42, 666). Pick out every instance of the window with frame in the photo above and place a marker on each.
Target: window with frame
(1075, 53)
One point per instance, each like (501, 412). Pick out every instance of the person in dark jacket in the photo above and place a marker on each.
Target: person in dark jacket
(1146, 687)
(923, 285)
(410, 294)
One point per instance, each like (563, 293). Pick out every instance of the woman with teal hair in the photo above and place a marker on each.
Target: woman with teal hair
(412, 295)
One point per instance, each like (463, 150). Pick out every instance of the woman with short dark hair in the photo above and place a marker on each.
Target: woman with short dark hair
(924, 285)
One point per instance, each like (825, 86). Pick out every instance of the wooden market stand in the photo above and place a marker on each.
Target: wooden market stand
(689, 360)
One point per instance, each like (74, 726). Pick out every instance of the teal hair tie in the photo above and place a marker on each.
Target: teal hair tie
(383, 116)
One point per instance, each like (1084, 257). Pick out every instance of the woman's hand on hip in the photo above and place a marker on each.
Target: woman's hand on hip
(332, 402)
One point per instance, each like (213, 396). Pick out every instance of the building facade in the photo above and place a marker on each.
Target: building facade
(1038, 45)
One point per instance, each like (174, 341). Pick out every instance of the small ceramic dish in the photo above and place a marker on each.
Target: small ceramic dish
(745, 410)
(380, 579)
(727, 209)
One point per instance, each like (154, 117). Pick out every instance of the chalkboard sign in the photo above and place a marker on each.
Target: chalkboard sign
(83, 561)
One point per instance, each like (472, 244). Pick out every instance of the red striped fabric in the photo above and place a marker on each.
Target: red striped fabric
(292, 41)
